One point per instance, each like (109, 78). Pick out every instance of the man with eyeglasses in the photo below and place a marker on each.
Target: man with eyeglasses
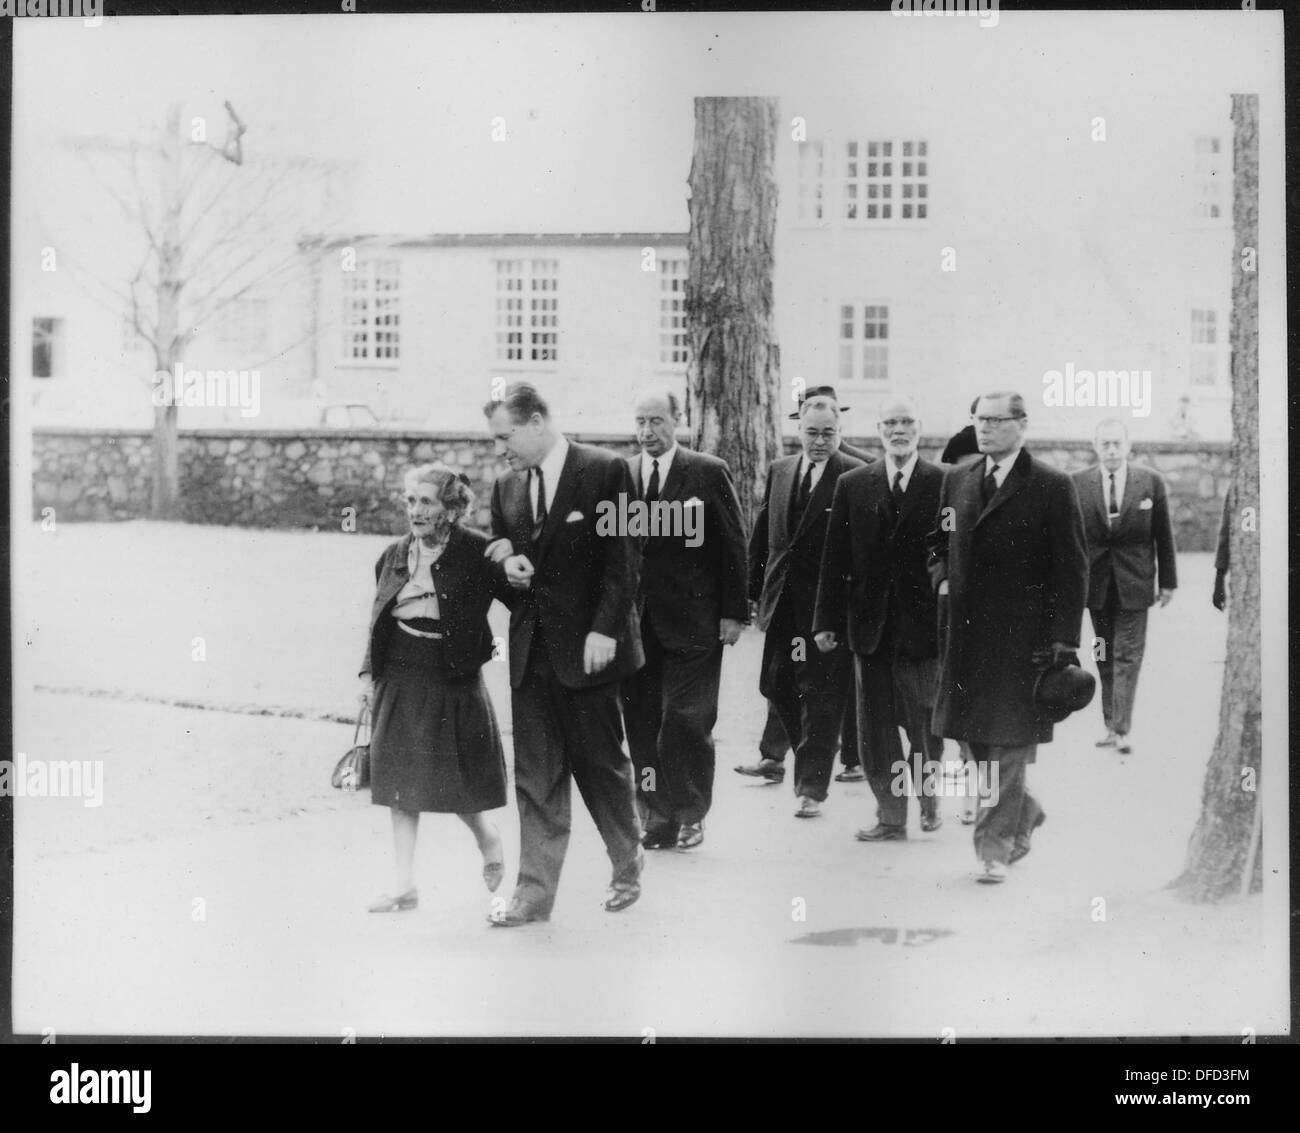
(1009, 557)
(1131, 567)
(808, 688)
(875, 585)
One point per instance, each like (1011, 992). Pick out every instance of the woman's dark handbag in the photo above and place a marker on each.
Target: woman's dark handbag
(352, 772)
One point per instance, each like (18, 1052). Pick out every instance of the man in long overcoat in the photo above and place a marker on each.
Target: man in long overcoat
(1010, 559)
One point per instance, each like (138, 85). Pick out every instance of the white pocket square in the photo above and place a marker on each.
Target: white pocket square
(694, 501)
(573, 517)
(1145, 505)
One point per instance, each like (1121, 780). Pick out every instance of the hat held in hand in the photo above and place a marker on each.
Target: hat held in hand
(1063, 688)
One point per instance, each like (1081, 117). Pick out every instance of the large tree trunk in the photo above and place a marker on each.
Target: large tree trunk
(734, 369)
(1224, 855)
(164, 503)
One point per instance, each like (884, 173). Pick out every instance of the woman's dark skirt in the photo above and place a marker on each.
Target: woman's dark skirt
(435, 745)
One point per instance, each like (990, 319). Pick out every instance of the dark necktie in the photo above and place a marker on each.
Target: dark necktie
(990, 486)
(539, 518)
(1114, 504)
(652, 490)
(897, 493)
(801, 499)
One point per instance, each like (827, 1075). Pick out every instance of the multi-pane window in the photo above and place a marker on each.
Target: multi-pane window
(1204, 369)
(527, 310)
(372, 312)
(45, 342)
(810, 203)
(886, 179)
(864, 343)
(1209, 178)
(672, 312)
(242, 325)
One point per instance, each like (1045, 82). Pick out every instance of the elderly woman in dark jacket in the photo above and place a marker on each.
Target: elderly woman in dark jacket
(434, 745)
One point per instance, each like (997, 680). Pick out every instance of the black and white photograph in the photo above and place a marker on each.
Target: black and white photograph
(650, 525)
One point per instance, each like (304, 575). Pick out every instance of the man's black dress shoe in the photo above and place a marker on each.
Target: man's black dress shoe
(1021, 847)
(690, 836)
(518, 914)
(660, 838)
(621, 896)
(853, 774)
(881, 833)
(931, 822)
(768, 769)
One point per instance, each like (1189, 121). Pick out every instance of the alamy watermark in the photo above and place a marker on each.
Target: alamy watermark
(974, 779)
(682, 519)
(986, 10)
(208, 388)
(83, 779)
(1101, 389)
(92, 11)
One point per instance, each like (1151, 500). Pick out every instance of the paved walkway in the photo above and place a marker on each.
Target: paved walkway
(221, 886)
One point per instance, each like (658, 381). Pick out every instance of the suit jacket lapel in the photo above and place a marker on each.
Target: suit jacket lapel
(1132, 493)
(672, 486)
(910, 496)
(820, 498)
(782, 488)
(570, 477)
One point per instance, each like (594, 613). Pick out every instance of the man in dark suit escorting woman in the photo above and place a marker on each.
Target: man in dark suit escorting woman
(573, 638)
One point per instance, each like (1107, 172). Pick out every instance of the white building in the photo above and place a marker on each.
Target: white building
(940, 241)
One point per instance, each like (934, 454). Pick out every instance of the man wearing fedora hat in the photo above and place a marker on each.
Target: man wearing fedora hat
(775, 743)
(808, 688)
(1009, 562)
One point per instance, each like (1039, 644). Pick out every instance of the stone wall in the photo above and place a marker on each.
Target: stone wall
(297, 479)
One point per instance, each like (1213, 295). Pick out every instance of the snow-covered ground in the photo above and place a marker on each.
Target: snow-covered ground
(221, 885)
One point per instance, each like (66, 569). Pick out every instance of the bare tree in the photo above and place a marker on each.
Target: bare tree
(734, 371)
(204, 229)
(1223, 856)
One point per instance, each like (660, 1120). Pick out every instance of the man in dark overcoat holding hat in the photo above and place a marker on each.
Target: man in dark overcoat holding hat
(1009, 562)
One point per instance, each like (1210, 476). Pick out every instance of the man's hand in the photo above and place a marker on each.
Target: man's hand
(1164, 596)
(729, 631)
(598, 652)
(1220, 596)
(1060, 650)
(366, 690)
(825, 640)
(943, 588)
(519, 572)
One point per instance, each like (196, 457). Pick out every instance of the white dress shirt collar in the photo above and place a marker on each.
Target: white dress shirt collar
(552, 465)
(665, 463)
(818, 469)
(1004, 467)
(906, 470)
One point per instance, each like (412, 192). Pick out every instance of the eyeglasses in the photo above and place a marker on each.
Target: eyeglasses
(906, 422)
(824, 434)
(996, 420)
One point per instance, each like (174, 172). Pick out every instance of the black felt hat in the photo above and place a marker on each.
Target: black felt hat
(818, 391)
(1063, 688)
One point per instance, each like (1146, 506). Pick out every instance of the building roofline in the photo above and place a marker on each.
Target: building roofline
(325, 241)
